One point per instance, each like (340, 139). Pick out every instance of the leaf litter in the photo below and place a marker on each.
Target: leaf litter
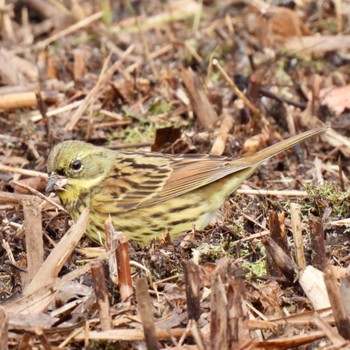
(178, 77)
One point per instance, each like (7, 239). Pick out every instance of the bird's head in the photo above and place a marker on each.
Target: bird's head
(74, 167)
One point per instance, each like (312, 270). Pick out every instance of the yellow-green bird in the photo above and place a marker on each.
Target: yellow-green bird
(148, 193)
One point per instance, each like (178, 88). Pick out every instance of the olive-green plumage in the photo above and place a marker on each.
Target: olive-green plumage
(148, 193)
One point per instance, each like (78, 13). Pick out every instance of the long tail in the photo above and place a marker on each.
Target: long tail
(279, 147)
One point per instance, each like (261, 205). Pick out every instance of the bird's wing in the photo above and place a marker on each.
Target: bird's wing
(139, 180)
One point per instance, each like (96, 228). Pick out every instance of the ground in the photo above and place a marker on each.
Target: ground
(179, 77)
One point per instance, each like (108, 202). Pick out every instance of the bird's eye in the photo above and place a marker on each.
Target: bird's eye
(76, 165)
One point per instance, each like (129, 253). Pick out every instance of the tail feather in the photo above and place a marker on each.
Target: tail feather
(279, 147)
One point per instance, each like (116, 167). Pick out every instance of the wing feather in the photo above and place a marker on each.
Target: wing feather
(161, 177)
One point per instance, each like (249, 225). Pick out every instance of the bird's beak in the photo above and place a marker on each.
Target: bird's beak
(56, 183)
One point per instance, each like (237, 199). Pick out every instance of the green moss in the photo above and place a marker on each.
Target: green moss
(141, 133)
(237, 227)
(257, 268)
(211, 252)
(160, 107)
(326, 196)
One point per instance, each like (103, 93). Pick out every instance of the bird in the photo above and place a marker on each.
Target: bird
(145, 193)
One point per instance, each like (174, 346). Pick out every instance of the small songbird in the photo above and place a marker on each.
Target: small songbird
(148, 193)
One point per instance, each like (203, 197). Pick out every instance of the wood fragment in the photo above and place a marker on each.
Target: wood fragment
(43, 339)
(201, 105)
(117, 243)
(41, 104)
(219, 304)
(9, 253)
(59, 255)
(220, 141)
(124, 272)
(24, 99)
(79, 64)
(47, 10)
(33, 236)
(192, 285)
(101, 292)
(312, 282)
(342, 320)
(3, 329)
(145, 309)
(238, 329)
(341, 174)
(318, 243)
(282, 260)
(24, 343)
(38, 300)
(297, 235)
(290, 342)
(318, 43)
(278, 234)
(196, 333)
(331, 332)
(131, 334)
(345, 292)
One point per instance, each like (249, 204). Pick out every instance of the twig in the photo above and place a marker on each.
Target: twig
(10, 169)
(282, 99)
(105, 76)
(39, 194)
(90, 97)
(73, 105)
(263, 192)
(81, 24)
(240, 94)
